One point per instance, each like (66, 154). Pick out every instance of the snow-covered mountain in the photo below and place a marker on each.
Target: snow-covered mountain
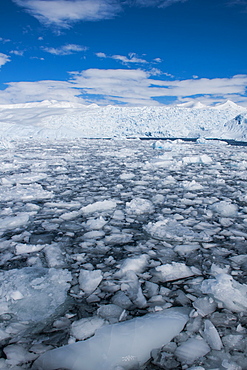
(52, 119)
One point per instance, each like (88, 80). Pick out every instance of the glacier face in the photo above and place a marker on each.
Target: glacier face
(63, 120)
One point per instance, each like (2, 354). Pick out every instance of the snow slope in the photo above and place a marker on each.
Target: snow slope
(52, 119)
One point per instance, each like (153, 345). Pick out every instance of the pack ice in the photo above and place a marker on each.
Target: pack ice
(123, 254)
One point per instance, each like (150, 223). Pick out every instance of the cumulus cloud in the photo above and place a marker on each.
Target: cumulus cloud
(64, 12)
(65, 49)
(129, 86)
(4, 59)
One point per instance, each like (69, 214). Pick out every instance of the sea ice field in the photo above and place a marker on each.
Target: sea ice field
(123, 254)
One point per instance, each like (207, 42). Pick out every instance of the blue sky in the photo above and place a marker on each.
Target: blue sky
(127, 52)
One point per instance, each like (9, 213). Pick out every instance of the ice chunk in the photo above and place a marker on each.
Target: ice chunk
(192, 349)
(225, 208)
(99, 206)
(86, 327)
(33, 293)
(185, 249)
(25, 193)
(127, 176)
(204, 306)
(54, 255)
(95, 224)
(10, 223)
(136, 264)
(231, 294)
(132, 288)
(67, 216)
(211, 335)
(118, 238)
(122, 300)
(110, 312)
(124, 344)
(173, 271)
(169, 229)
(204, 158)
(28, 248)
(89, 280)
(139, 206)
(17, 355)
(94, 234)
(192, 185)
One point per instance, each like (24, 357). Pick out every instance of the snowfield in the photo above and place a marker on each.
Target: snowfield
(122, 254)
(52, 119)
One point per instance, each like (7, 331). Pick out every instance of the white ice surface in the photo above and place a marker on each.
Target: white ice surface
(60, 120)
(125, 344)
(33, 294)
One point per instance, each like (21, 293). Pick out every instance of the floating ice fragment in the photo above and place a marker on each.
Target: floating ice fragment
(99, 206)
(173, 271)
(139, 206)
(54, 255)
(192, 349)
(89, 280)
(185, 249)
(28, 248)
(211, 335)
(18, 355)
(227, 291)
(204, 306)
(169, 229)
(136, 264)
(40, 292)
(70, 215)
(127, 176)
(225, 208)
(118, 238)
(95, 224)
(192, 185)
(123, 344)
(132, 288)
(25, 193)
(110, 312)
(10, 223)
(86, 327)
(94, 234)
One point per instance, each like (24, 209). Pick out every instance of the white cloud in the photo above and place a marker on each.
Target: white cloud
(21, 92)
(17, 52)
(131, 58)
(153, 3)
(101, 55)
(63, 12)
(126, 84)
(4, 59)
(65, 49)
(129, 86)
(4, 40)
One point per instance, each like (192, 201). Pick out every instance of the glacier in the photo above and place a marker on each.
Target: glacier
(52, 119)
